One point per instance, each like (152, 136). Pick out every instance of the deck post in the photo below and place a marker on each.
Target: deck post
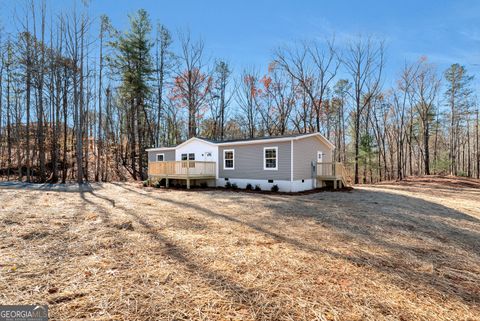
(334, 184)
(188, 183)
(167, 185)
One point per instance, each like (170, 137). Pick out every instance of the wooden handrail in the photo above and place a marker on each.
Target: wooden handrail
(334, 170)
(182, 168)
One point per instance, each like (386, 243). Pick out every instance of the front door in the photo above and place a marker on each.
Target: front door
(320, 169)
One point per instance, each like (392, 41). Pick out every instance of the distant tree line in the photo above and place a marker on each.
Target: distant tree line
(81, 100)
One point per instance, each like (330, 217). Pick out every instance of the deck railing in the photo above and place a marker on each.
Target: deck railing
(329, 169)
(178, 169)
(333, 171)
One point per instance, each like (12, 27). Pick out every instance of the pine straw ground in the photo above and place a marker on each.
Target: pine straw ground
(407, 251)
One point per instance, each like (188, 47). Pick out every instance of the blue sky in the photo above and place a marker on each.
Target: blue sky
(245, 32)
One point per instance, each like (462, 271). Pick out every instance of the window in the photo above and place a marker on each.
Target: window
(270, 158)
(160, 157)
(190, 156)
(228, 159)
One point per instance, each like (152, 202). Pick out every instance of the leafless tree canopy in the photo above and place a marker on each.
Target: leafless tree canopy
(81, 100)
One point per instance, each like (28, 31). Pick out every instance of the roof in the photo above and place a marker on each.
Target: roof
(251, 140)
(257, 138)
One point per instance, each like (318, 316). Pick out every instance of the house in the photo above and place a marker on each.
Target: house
(294, 163)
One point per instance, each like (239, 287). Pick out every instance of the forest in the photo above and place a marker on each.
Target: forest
(81, 100)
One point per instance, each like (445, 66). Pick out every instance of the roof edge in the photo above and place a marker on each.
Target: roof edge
(249, 142)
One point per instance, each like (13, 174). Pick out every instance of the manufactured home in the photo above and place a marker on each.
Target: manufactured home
(294, 163)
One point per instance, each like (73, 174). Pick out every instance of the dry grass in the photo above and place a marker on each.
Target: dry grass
(120, 252)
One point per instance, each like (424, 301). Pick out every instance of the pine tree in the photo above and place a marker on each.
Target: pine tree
(134, 62)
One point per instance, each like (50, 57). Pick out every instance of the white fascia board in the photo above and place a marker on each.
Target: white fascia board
(178, 146)
(258, 141)
(194, 139)
(320, 137)
(159, 149)
(280, 139)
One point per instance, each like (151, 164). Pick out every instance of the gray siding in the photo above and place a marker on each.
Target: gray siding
(169, 155)
(304, 152)
(249, 162)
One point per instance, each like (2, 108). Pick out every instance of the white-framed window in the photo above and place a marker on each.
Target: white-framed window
(319, 157)
(270, 158)
(228, 159)
(189, 156)
(160, 157)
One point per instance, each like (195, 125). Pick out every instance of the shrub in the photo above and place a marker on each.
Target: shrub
(249, 187)
(274, 188)
(228, 185)
(146, 183)
(234, 186)
(257, 188)
(157, 184)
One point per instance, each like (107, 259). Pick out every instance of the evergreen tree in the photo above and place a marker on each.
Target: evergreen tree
(134, 62)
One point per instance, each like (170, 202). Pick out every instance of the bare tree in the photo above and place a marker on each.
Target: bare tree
(425, 90)
(247, 100)
(364, 62)
(220, 98)
(313, 66)
(192, 83)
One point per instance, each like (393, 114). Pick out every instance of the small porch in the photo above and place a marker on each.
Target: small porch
(182, 170)
(332, 171)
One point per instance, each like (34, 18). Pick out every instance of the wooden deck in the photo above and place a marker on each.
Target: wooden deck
(334, 171)
(182, 170)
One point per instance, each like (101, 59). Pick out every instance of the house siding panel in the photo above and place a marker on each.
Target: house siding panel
(248, 160)
(169, 155)
(304, 153)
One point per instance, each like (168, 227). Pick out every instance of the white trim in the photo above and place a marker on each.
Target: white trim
(276, 159)
(233, 153)
(192, 139)
(322, 138)
(156, 157)
(291, 161)
(159, 149)
(188, 156)
(258, 141)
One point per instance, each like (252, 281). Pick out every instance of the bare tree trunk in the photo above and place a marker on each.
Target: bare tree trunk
(65, 128)
(40, 109)
(9, 134)
(98, 170)
(478, 146)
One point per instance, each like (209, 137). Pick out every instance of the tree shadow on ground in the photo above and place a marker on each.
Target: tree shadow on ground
(47, 187)
(444, 238)
(169, 249)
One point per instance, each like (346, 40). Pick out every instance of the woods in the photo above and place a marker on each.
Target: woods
(81, 100)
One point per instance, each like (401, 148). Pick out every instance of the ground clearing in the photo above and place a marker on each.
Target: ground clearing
(407, 251)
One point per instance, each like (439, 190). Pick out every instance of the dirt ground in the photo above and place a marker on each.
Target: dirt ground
(408, 251)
